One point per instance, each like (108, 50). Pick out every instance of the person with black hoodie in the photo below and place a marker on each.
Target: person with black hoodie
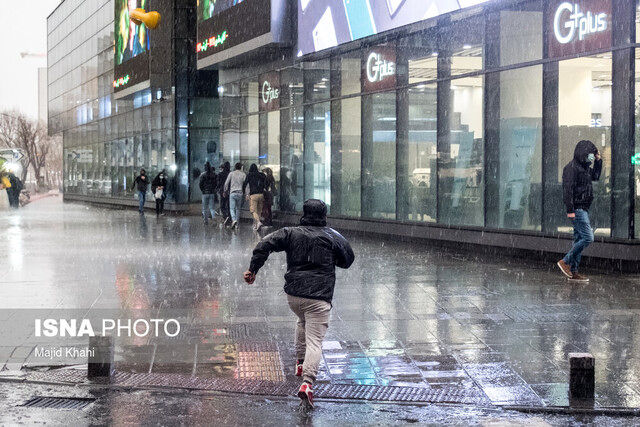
(224, 201)
(159, 188)
(577, 178)
(141, 183)
(208, 186)
(13, 192)
(313, 252)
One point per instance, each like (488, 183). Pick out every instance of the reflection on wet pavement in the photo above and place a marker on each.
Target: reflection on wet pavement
(404, 315)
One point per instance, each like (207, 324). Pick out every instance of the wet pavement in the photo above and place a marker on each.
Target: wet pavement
(406, 316)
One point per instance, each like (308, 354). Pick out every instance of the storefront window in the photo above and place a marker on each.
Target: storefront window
(350, 73)
(379, 155)
(249, 144)
(230, 138)
(636, 157)
(584, 104)
(316, 80)
(249, 93)
(317, 152)
(271, 159)
(422, 156)
(346, 161)
(292, 171)
(462, 43)
(520, 149)
(460, 187)
(521, 33)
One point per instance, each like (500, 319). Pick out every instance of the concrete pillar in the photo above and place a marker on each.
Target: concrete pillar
(100, 357)
(581, 376)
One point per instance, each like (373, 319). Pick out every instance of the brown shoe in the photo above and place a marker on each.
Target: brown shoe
(578, 278)
(564, 267)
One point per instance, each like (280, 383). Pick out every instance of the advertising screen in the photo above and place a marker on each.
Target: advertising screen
(326, 23)
(209, 8)
(131, 40)
(132, 44)
(238, 22)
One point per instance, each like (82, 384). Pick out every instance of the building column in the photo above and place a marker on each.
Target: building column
(623, 121)
(402, 136)
(492, 123)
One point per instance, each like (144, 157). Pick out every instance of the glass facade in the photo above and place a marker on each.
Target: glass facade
(471, 128)
(464, 121)
(106, 140)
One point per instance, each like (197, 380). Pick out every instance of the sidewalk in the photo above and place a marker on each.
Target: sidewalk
(410, 323)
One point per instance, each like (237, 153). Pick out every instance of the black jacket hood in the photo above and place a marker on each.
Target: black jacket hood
(314, 212)
(582, 150)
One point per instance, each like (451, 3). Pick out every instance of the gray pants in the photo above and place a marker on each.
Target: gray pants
(313, 321)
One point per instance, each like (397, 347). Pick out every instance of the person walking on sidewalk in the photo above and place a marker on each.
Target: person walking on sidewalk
(313, 252)
(577, 178)
(225, 170)
(254, 186)
(208, 186)
(269, 194)
(159, 190)
(13, 192)
(141, 184)
(233, 188)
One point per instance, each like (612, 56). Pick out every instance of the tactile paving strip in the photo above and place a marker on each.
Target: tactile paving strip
(445, 394)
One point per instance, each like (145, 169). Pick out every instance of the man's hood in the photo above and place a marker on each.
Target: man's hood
(582, 150)
(314, 212)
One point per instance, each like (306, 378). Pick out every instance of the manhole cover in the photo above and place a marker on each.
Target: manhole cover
(58, 402)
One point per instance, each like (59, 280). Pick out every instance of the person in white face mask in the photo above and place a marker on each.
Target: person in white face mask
(577, 178)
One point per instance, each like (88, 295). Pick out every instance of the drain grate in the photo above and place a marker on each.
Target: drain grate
(53, 402)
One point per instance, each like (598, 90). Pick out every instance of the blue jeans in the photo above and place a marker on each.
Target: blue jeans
(582, 237)
(235, 203)
(142, 197)
(207, 204)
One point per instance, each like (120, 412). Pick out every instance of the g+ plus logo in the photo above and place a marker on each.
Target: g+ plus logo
(378, 68)
(577, 22)
(269, 93)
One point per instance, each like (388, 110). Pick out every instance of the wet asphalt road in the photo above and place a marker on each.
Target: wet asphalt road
(406, 315)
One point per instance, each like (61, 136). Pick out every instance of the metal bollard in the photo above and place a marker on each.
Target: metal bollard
(582, 378)
(100, 358)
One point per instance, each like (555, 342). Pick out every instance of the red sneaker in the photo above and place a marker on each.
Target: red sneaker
(298, 368)
(306, 394)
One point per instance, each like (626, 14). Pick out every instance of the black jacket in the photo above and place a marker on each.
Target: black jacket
(222, 178)
(209, 183)
(313, 252)
(577, 177)
(159, 182)
(140, 184)
(256, 182)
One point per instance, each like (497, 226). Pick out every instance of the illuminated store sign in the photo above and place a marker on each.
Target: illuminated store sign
(121, 81)
(212, 42)
(269, 92)
(569, 20)
(578, 26)
(379, 70)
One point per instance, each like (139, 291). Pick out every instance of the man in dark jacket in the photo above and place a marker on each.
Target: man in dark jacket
(208, 186)
(224, 201)
(141, 183)
(577, 187)
(254, 186)
(13, 192)
(313, 252)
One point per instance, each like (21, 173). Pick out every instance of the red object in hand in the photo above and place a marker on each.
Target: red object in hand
(249, 277)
